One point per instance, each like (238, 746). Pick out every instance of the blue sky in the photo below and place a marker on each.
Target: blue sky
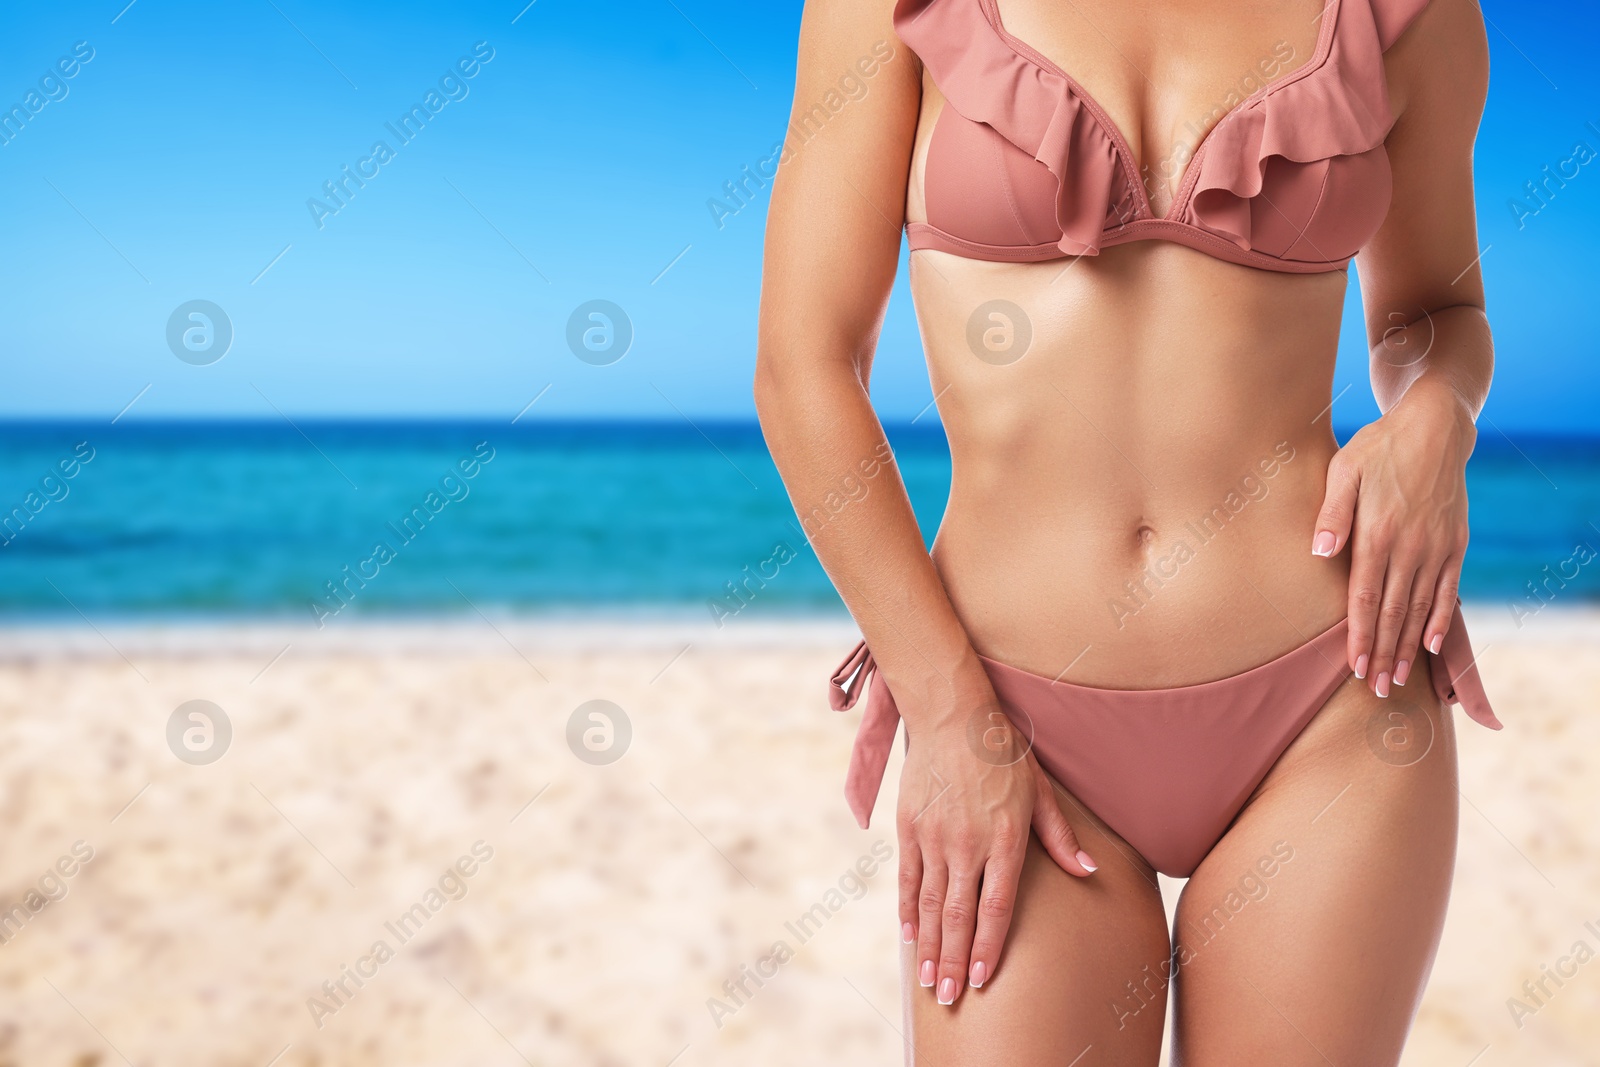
(574, 165)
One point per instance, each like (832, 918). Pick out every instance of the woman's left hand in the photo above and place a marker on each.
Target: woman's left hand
(1397, 494)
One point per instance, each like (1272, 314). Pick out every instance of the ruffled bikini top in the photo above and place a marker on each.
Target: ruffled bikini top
(1023, 164)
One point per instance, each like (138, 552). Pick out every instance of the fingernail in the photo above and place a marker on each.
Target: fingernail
(1383, 684)
(1085, 862)
(947, 991)
(1402, 671)
(1436, 643)
(1361, 665)
(907, 934)
(926, 976)
(979, 973)
(1323, 545)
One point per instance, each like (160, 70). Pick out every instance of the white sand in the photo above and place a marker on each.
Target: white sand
(367, 760)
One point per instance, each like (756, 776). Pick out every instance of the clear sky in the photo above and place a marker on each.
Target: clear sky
(575, 164)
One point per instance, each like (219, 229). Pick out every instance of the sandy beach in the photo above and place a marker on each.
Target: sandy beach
(424, 788)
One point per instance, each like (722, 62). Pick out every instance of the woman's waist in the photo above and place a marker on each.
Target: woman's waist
(1144, 588)
(1135, 481)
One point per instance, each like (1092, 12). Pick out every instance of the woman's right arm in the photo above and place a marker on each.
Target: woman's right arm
(833, 242)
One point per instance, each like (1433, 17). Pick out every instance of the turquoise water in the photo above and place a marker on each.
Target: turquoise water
(256, 518)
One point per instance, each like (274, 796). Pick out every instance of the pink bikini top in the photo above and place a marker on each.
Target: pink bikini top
(1024, 165)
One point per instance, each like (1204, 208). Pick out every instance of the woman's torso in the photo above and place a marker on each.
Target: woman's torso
(1139, 438)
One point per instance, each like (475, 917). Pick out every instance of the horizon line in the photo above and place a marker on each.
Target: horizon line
(657, 422)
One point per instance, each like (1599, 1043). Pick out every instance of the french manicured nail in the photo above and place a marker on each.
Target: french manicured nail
(978, 974)
(947, 991)
(1087, 863)
(907, 934)
(1402, 671)
(926, 977)
(1361, 665)
(1323, 545)
(1436, 644)
(1382, 687)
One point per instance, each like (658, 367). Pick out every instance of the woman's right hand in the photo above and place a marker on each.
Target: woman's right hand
(969, 793)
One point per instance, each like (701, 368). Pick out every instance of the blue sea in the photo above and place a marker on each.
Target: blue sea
(172, 520)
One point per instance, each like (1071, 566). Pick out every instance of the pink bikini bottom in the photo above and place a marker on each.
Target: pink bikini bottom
(1167, 769)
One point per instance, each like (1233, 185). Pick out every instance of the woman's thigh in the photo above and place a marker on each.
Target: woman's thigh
(1081, 980)
(1307, 935)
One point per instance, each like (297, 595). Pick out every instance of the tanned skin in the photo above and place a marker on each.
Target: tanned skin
(1157, 379)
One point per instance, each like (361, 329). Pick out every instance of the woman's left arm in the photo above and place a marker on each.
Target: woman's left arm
(1397, 490)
